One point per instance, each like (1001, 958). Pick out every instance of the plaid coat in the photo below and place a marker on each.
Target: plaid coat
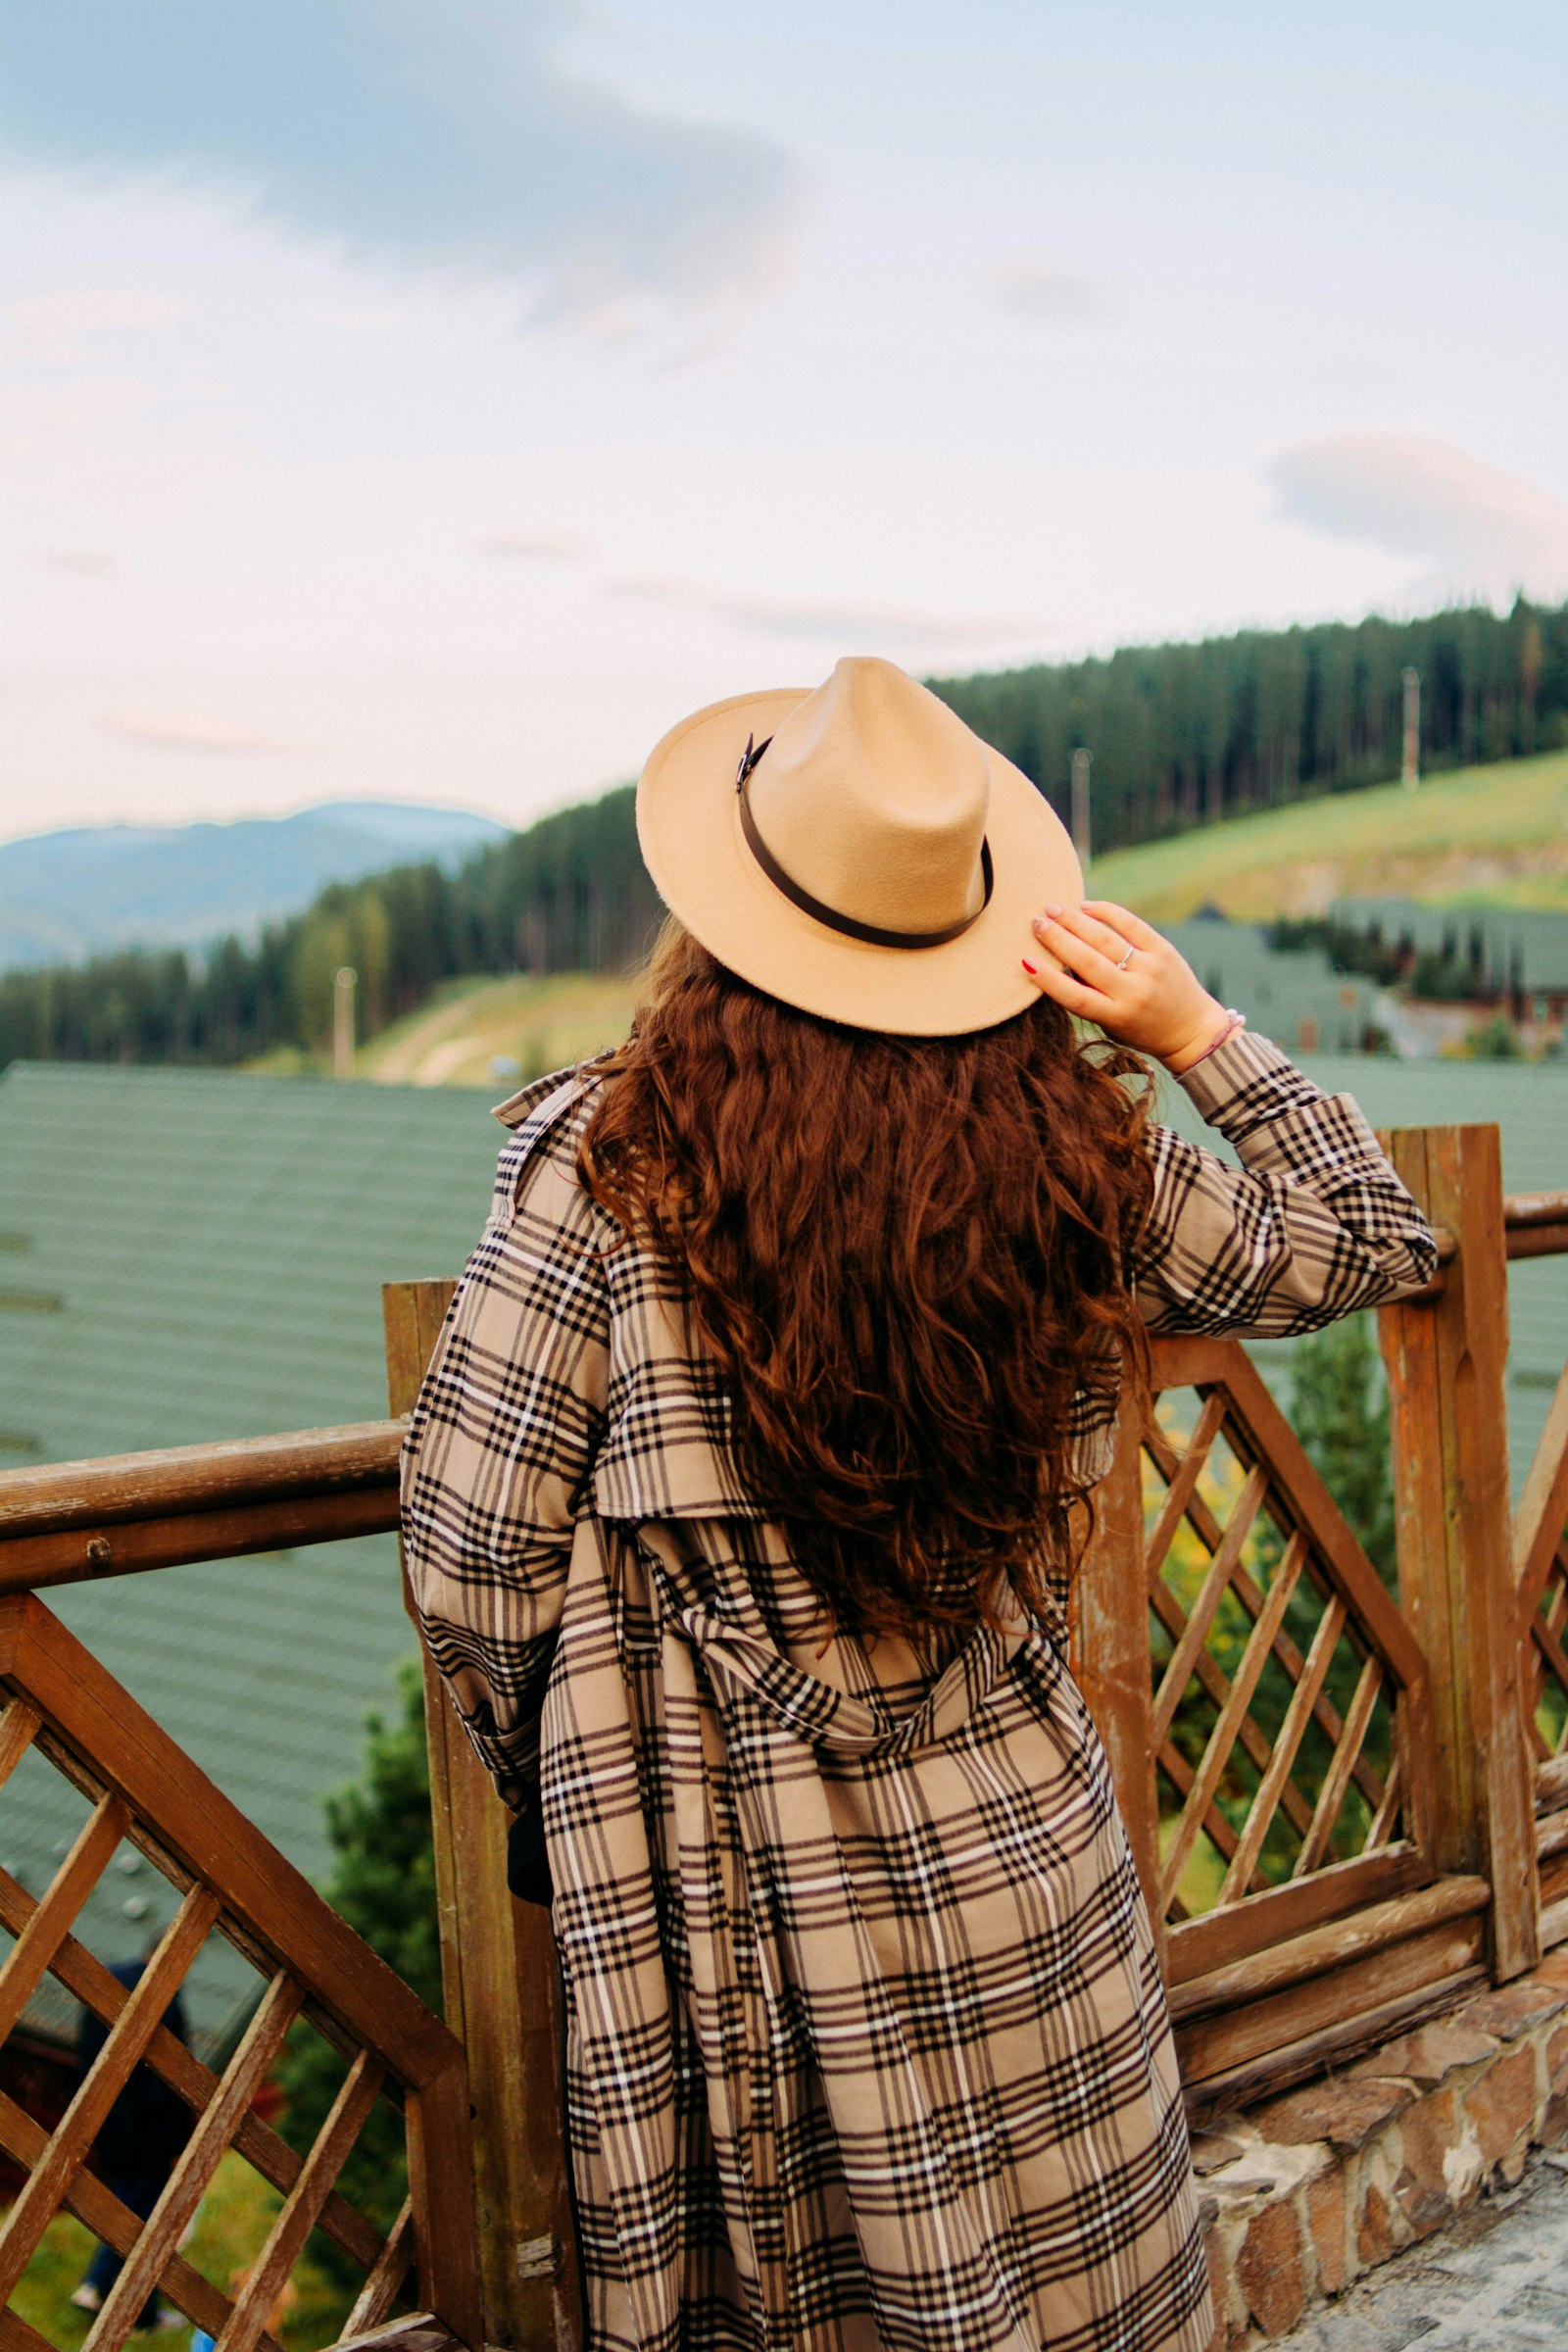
(867, 2042)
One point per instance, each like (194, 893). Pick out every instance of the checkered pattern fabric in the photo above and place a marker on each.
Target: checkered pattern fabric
(868, 2047)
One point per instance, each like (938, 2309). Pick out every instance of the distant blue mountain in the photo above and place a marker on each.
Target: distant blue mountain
(67, 896)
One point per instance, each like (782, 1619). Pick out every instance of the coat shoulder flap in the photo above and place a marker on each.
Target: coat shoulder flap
(665, 1452)
(534, 1116)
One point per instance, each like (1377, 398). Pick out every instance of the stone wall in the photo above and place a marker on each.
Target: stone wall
(1308, 2191)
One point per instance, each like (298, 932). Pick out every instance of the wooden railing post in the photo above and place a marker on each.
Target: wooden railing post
(1111, 1659)
(1446, 1360)
(499, 1978)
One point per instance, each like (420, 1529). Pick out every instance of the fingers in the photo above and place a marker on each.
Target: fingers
(1052, 981)
(1087, 946)
(1128, 925)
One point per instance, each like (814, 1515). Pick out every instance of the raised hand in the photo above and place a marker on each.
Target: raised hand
(1107, 964)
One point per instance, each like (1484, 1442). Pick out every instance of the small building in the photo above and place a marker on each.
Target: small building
(1294, 996)
(1517, 957)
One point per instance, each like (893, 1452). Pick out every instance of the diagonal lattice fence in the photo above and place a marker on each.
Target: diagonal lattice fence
(1281, 1675)
(134, 1785)
(1540, 1572)
(1274, 1691)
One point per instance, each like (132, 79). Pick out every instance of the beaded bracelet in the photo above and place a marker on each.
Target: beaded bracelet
(1234, 1020)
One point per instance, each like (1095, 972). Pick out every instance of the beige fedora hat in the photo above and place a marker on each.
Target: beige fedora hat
(856, 851)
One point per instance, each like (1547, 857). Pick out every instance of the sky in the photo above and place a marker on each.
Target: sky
(437, 398)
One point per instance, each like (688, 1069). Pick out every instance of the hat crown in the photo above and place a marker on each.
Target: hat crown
(873, 796)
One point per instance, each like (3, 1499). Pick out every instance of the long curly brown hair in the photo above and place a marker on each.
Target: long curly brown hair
(905, 1254)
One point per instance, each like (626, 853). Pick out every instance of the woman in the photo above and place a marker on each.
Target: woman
(739, 1501)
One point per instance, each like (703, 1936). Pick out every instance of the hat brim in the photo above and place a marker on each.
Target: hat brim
(688, 823)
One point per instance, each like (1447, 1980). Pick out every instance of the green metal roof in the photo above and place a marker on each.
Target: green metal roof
(1529, 1101)
(188, 1256)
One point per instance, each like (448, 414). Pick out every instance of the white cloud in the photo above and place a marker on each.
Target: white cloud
(539, 546)
(449, 139)
(179, 733)
(1476, 528)
(871, 627)
(1042, 287)
(84, 562)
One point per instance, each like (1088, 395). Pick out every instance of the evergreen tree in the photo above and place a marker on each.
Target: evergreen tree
(1340, 1409)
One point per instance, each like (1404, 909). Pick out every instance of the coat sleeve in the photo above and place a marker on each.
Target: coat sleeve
(498, 1456)
(1313, 1224)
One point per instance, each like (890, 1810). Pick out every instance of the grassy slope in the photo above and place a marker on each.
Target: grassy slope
(469, 1025)
(1481, 833)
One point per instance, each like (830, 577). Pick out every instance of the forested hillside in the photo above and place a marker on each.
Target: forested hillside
(568, 895)
(1181, 735)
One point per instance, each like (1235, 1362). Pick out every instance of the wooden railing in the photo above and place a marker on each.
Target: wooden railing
(1332, 1799)
(61, 1705)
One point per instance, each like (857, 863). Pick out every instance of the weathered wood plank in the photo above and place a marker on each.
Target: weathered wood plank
(440, 2122)
(1216, 2044)
(1184, 1481)
(1324, 1712)
(198, 1478)
(28, 1958)
(1521, 1210)
(366, 2322)
(419, 2332)
(1215, 1585)
(25, 2140)
(81, 1556)
(1450, 1468)
(17, 2335)
(1337, 1779)
(1224, 1736)
(18, 1727)
(1349, 2037)
(1219, 1936)
(1215, 1686)
(1330, 1947)
(1286, 1746)
(1543, 1507)
(1259, 1429)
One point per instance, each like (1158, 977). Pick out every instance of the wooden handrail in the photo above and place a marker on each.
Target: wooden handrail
(68, 1523)
(173, 1478)
(1533, 1225)
(1535, 1208)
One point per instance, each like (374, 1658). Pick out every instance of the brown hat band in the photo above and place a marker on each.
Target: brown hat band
(849, 924)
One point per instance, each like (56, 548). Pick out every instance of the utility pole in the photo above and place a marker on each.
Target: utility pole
(1410, 772)
(343, 980)
(1080, 807)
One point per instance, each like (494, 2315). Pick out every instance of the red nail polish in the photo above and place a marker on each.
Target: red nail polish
(1030, 968)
